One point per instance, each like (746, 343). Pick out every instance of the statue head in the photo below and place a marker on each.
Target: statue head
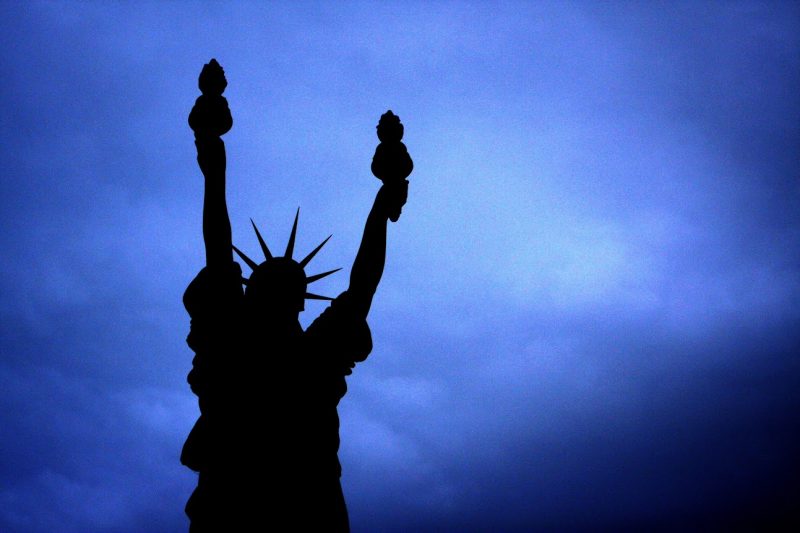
(277, 287)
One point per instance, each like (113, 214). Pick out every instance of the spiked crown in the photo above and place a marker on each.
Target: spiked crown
(286, 268)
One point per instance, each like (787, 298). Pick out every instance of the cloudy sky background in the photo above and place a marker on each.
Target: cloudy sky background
(589, 313)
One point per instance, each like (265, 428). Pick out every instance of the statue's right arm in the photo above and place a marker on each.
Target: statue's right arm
(216, 224)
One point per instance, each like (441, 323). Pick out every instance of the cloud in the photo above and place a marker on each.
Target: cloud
(587, 312)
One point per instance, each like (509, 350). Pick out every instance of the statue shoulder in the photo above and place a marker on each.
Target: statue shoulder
(342, 330)
(214, 288)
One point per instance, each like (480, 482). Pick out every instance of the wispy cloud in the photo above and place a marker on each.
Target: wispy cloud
(588, 302)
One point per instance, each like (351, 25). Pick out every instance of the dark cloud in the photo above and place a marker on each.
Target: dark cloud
(587, 316)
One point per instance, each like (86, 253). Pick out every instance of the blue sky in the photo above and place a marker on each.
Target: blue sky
(589, 312)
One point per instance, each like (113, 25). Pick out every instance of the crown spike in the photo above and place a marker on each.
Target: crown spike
(315, 277)
(310, 256)
(290, 245)
(310, 296)
(267, 254)
(252, 264)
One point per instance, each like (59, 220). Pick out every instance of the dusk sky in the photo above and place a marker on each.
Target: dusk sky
(589, 316)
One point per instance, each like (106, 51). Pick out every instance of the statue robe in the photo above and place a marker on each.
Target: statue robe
(266, 442)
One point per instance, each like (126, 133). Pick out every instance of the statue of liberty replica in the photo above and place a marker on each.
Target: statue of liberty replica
(265, 445)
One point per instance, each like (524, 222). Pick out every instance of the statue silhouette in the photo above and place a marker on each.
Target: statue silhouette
(266, 442)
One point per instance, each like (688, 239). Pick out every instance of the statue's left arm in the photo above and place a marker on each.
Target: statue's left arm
(368, 266)
(210, 119)
(216, 222)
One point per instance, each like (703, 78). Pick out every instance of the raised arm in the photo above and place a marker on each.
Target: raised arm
(216, 223)
(368, 266)
(211, 118)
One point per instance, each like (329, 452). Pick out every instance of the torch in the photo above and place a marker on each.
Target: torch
(391, 163)
(210, 116)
